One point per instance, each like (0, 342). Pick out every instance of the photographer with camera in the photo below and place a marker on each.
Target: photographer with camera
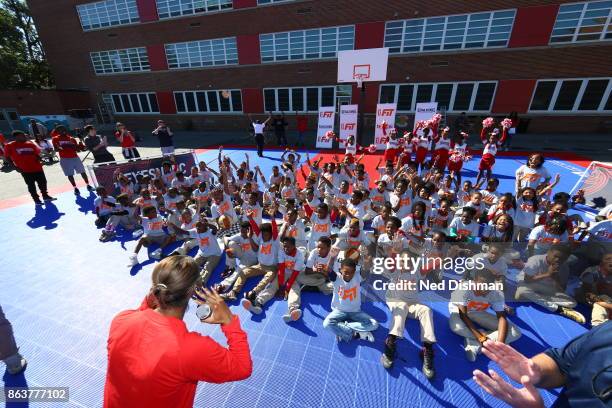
(154, 361)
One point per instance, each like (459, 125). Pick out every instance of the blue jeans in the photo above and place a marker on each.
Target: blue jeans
(344, 324)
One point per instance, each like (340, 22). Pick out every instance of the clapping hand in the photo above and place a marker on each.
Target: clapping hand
(519, 368)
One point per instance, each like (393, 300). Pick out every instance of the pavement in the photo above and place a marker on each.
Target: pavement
(593, 146)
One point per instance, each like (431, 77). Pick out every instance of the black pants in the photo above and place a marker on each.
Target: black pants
(130, 153)
(281, 139)
(31, 179)
(259, 139)
(104, 158)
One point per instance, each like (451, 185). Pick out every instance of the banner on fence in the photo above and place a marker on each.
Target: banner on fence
(104, 172)
(385, 112)
(327, 115)
(348, 122)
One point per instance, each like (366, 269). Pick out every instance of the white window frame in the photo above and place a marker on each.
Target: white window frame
(142, 63)
(107, 5)
(209, 112)
(434, 91)
(574, 110)
(304, 97)
(272, 2)
(131, 107)
(303, 32)
(607, 26)
(200, 44)
(444, 33)
(184, 11)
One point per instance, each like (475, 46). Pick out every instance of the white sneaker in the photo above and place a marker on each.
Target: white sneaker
(137, 233)
(292, 315)
(471, 352)
(156, 254)
(15, 364)
(366, 336)
(133, 260)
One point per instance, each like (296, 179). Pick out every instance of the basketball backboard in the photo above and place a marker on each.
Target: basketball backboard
(363, 65)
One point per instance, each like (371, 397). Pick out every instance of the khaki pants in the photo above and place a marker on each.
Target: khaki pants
(209, 262)
(401, 310)
(483, 320)
(317, 280)
(269, 272)
(544, 295)
(293, 297)
(599, 315)
(126, 221)
(248, 259)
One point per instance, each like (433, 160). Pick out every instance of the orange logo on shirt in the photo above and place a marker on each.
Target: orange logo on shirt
(550, 240)
(246, 247)
(266, 249)
(350, 294)
(289, 265)
(405, 201)
(320, 227)
(157, 225)
(477, 306)
(204, 242)
(224, 207)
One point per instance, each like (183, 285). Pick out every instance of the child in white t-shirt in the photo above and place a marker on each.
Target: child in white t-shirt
(346, 319)
(154, 233)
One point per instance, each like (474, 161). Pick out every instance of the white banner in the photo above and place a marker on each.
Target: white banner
(327, 116)
(425, 111)
(348, 122)
(385, 112)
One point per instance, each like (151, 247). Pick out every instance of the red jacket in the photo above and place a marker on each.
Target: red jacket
(155, 362)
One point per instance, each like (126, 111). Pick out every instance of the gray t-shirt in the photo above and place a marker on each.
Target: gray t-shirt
(537, 264)
(93, 141)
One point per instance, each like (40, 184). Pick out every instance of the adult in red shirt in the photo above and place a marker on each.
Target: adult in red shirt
(67, 147)
(128, 142)
(302, 126)
(154, 361)
(25, 155)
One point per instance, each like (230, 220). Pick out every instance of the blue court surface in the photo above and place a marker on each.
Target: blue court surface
(61, 288)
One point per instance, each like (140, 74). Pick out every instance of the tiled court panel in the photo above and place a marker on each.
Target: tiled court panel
(60, 287)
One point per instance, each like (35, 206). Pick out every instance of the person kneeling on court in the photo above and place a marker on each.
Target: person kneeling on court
(153, 227)
(404, 304)
(346, 319)
(124, 214)
(468, 310)
(285, 286)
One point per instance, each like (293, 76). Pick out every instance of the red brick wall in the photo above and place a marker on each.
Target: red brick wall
(157, 57)
(513, 95)
(533, 25)
(147, 10)
(165, 101)
(248, 49)
(252, 100)
(369, 35)
(42, 102)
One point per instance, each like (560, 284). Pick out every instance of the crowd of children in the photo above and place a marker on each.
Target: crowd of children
(321, 224)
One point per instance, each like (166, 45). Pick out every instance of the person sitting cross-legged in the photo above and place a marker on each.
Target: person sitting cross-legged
(469, 317)
(346, 319)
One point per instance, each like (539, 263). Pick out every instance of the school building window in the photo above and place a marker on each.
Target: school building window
(208, 101)
(451, 96)
(308, 99)
(577, 22)
(463, 31)
(572, 95)
(177, 8)
(145, 102)
(306, 44)
(205, 53)
(115, 61)
(107, 13)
